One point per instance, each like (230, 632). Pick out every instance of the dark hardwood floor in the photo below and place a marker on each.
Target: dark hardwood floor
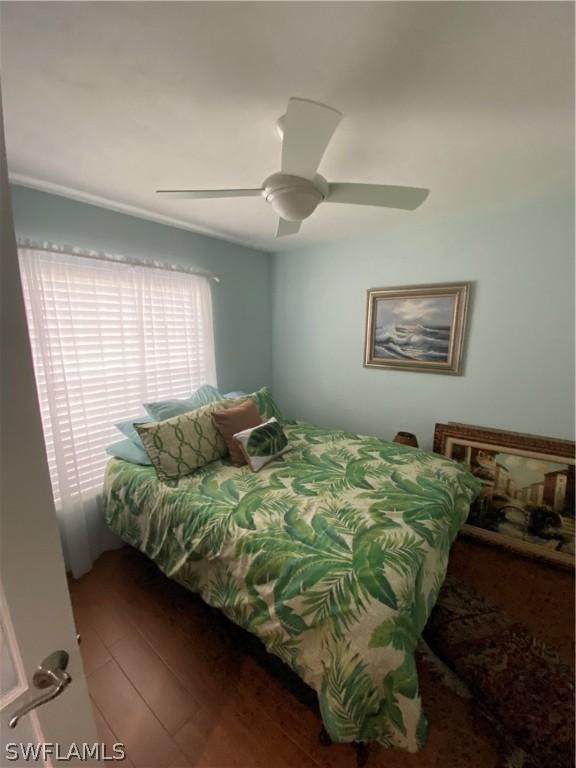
(181, 686)
(535, 593)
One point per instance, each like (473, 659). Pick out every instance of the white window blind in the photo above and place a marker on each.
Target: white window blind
(107, 336)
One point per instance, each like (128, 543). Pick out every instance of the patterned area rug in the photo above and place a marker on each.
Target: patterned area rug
(517, 681)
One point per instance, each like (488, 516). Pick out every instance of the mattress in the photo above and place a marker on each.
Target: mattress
(333, 555)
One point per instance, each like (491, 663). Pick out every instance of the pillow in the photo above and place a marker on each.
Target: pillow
(233, 420)
(234, 395)
(260, 445)
(127, 429)
(129, 451)
(184, 443)
(266, 405)
(166, 409)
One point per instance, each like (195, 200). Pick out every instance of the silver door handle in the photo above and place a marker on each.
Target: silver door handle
(50, 674)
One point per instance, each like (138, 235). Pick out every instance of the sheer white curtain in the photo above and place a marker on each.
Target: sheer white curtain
(106, 337)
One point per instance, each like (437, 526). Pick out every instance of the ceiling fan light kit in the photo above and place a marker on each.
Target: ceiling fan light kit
(292, 197)
(295, 193)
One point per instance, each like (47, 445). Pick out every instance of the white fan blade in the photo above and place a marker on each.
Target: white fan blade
(286, 227)
(202, 194)
(407, 198)
(308, 128)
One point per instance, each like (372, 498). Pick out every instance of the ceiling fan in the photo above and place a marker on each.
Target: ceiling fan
(294, 193)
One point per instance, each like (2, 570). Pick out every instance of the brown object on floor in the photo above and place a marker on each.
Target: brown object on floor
(182, 686)
(536, 593)
(233, 420)
(518, 681)
(406, 438)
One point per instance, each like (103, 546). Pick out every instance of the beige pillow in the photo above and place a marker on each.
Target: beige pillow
(233, 420)
(182, 444)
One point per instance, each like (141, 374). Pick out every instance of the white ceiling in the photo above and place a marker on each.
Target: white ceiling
(115, 100)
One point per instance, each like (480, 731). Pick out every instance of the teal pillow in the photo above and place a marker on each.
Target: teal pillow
(127, 428)
(166, 409)
(129, 451)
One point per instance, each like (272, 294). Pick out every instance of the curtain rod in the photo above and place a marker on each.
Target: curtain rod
(68, 250)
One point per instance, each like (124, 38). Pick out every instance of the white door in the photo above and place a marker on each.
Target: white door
(36, 616)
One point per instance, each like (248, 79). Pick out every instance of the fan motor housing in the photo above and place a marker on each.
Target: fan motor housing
(294, 198)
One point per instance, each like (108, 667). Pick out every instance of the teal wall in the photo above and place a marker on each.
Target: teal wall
(519, 372)
(295, 320)
(241, 301)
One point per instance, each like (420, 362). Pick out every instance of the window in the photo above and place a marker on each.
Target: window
(107, 336)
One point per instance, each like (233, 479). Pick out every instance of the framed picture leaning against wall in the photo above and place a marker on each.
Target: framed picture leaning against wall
(527, 497)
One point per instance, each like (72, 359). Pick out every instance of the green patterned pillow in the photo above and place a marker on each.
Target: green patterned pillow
(262, 444)
(265, 404)
(182, 444)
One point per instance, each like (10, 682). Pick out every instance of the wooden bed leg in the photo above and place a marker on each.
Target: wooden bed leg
(361, 747)
(361, 753)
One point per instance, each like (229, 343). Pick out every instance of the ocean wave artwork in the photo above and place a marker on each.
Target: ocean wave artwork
(414, 329)
(413, 342)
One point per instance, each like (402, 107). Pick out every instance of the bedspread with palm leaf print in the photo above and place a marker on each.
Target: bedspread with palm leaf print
(333, 555)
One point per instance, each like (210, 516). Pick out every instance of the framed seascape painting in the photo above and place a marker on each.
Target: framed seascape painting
(527, 497)
(417, 328)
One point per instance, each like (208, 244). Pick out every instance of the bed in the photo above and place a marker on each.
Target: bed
(332, 555)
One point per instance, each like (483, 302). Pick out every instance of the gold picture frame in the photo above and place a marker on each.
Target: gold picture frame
(417, 328)
(526, 503)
